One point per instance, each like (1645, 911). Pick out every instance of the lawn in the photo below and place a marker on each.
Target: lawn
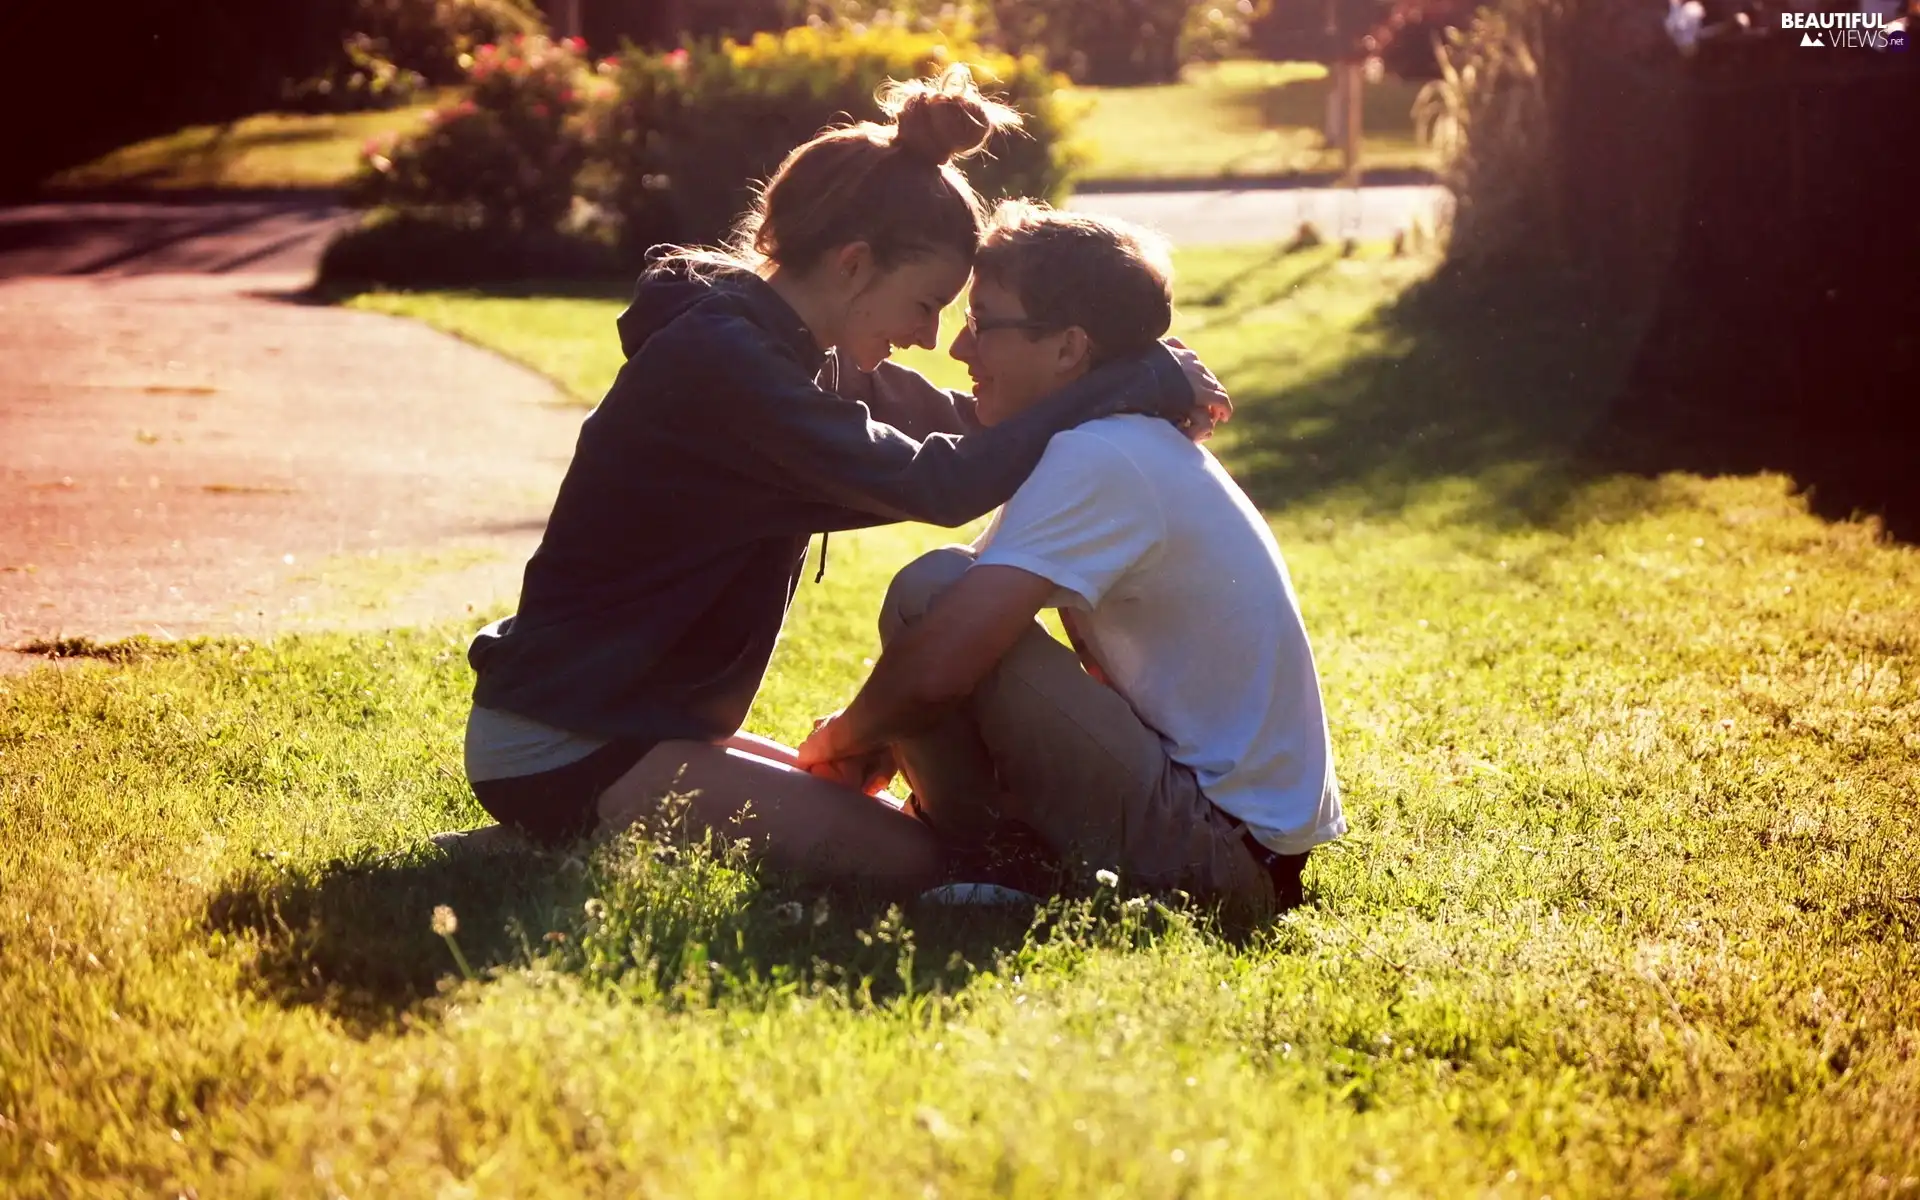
(1222, 120)
(267, 150)
(1629, 905)
(1240, 119)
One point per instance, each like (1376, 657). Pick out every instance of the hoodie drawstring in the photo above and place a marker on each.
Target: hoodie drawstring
(822, 573)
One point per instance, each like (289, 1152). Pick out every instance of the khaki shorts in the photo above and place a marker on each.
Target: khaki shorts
(1043, 743)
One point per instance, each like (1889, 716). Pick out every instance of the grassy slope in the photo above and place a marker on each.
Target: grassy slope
(1628, 907)
(1239, 118)
(268, 150)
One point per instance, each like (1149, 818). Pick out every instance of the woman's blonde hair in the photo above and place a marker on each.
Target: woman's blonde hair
(893, 186)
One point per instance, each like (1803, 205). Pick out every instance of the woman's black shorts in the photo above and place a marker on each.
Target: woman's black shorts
(562, 805)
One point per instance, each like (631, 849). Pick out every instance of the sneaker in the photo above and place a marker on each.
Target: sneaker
(977, 894)
(487, 839)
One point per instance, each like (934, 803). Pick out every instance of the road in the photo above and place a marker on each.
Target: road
(1255, 214)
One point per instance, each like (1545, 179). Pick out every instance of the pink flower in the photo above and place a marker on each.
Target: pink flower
(516, 65)
(541, 111)
(566, 96)
(676, 59)
(576, 44)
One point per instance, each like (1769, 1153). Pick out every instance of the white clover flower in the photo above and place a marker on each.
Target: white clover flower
(445, 923)
(1137, 904)
(788, 913)
(596, 909)
(1106, 878)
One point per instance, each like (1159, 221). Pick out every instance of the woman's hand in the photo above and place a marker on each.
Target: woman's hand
(1212, 406)
(870, 772)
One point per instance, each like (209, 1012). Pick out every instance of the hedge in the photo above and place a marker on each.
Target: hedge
(654, 148)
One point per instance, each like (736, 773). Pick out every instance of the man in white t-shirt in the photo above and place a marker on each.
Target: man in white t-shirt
(1183, 740)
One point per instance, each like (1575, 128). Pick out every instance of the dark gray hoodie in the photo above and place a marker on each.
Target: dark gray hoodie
(675, 545)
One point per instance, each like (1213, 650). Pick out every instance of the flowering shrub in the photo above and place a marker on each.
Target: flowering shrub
(505, 158)
(683, 137)
(432, 37)
(668, 147)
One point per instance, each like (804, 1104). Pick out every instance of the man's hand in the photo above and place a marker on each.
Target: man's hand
(1212, 406)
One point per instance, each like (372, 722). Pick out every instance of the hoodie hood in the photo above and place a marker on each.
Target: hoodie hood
(667, 289)
(672, 287)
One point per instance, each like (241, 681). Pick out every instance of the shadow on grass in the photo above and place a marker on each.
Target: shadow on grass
(355, 938)
(1528, 389)
(1500, 386)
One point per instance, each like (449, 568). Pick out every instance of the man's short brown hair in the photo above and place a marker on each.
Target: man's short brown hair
(1112, 279)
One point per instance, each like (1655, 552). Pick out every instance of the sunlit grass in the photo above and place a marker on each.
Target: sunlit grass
(267, 150)
(1240, 119)
(1629, 906)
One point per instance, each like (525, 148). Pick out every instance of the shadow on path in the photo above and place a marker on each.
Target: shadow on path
(282, 233)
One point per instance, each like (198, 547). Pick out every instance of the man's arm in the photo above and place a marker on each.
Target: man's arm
(935, 663)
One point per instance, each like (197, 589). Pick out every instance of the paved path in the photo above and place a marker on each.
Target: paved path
(199, 452)
(1256, 214)
(281, 236)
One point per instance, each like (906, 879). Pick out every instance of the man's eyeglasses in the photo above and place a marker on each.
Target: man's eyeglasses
(977, 325)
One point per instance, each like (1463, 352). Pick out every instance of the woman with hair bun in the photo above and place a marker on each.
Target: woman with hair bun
(755, 409)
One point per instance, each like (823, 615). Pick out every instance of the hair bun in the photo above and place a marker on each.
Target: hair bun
(940, 119)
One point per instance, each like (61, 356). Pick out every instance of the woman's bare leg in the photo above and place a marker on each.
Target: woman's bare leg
(794, 821)
(759, 747)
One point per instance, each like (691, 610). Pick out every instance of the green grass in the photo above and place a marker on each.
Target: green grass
(1240, 119)
(1629, 906)
(267, 150)
(1220, 121)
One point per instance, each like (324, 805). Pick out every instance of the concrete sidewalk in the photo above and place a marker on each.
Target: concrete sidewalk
(188, 447)
(1227, 216)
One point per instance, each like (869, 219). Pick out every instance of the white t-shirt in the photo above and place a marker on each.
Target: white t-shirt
(1180, 594)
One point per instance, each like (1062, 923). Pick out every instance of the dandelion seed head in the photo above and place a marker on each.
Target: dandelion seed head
(1106, 878)
(596, 909)
(445, 923)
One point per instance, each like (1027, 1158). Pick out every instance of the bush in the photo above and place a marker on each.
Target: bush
(1410, 38)
(685, 136)
(363, 78)
(657, 148)
(391, 49)
(506, 158)
(409, 249)
(436, 38)
(1100, 42)
(1214, 32)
